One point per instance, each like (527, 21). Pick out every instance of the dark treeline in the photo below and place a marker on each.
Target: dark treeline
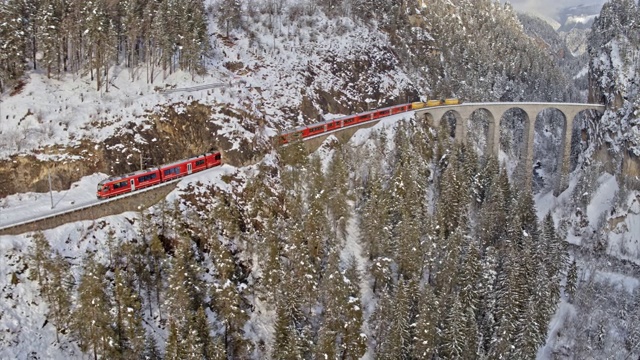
(59, 36)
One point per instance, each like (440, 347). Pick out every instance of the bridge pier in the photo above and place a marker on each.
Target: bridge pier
(529, 134)
(493, 133)
(564, 155)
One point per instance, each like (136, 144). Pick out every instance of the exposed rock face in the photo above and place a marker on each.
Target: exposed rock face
(614, 46)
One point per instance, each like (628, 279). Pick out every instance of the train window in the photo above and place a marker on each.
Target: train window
(146, 177)
(217, 157)
(199, 162)
(175, 170)
(349, 121)
(317, 128)
(120, 184)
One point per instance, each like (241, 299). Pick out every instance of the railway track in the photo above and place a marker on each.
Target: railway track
(134, 201)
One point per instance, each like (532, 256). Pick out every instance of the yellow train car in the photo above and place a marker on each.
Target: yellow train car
(434, 102)
(417, 105)
(451, 101)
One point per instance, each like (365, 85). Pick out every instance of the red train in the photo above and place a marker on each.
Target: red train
(118, 185)
(345, 121)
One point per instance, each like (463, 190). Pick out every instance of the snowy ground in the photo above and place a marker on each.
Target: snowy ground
(24, 207)
(61, 112)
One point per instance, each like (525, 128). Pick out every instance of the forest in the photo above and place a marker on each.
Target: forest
(90, 37)
(453, 263)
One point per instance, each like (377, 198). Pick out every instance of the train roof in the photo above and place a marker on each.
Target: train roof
(183, 160)
(145, 171)
(300, 128)
(120, 177)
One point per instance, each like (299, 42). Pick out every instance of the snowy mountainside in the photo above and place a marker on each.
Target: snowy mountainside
(600, 212)
(277, 73)
(578, 17)
(614, 73)
(600, 219)
(562, 47)
(280, 76)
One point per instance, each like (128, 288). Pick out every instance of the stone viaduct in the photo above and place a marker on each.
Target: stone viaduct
(495, 113)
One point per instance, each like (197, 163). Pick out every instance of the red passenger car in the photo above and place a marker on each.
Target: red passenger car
(304, 132)
(189, 166)
(114, 186)
(118, 185)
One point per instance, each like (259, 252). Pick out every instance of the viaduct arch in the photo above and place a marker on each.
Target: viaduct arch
(496, 111)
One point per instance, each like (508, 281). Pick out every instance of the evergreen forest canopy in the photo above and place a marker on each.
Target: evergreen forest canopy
(452, 263)
(78, 36)
(449, 48)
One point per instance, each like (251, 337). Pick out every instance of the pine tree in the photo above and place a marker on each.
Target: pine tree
(58, 292)
(332, 287)
(39, 258)
(340, 334)
(194, 39)
(272, 273)
(228, 305)
(448, 271)
(397, 339)
(129, 331)
(174, 349)
(354, 340)
(375, 231)
(471, 335)
(510, 302)
(230, 14)
(91, 318)
(452, 203)
(470, 279)
(156, 263)
(12, 30)
(572, 281)
(409, 249)
(488, 296)
(528, 337)
(315, 221)
(287, 344)
(454, 336)
(426, 337)
(338, 194)
(151, 351)
(186, 290)
(48, 20)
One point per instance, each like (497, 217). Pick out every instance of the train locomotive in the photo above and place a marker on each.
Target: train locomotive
(123, 184)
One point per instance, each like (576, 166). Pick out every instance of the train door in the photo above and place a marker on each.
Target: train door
(133, 184)
(189, 168)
